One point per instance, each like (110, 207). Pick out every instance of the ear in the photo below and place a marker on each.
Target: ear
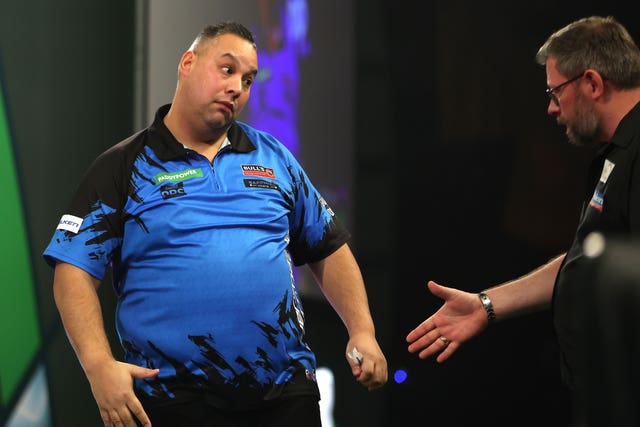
(186, 62)
(595, 81)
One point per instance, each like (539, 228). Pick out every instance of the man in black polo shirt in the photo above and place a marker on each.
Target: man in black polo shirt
(593, 75)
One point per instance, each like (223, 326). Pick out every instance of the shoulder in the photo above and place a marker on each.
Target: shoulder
(126, 148)
(118, 158)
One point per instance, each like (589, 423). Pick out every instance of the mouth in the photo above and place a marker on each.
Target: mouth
(227, 105)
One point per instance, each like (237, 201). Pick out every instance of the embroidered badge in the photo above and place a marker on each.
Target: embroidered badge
(257, 170)
(170, 191)
(606, 170)
(70, 223)
(178, 176)
(597, 200)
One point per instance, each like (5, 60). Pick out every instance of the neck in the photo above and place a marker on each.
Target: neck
(205, 141)
(616, 108)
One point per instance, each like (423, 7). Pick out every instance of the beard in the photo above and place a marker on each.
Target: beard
(583, 129)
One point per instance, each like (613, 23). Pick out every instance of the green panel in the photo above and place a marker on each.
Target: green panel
(18, 311)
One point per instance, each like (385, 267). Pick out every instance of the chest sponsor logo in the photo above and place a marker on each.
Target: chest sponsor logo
(597, 200)
(178, 176)
(70, 223)
(171, 191)
(257, 170)
(606, 170)
(260, 183)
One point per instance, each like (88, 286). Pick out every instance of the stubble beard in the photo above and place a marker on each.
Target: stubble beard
(218, 120)
(582, 131)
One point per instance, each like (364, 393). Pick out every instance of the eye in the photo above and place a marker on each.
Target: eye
(248, 82)
(227, 69)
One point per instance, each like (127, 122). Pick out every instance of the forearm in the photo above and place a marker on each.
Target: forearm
(527, 294)
(341, 281)
(75, 294)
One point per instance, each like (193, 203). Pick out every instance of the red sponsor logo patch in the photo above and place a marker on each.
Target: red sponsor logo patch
(257, 170)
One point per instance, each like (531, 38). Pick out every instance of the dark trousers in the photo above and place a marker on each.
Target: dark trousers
(289, 412)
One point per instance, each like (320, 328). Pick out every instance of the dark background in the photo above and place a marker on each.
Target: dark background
(460, 177)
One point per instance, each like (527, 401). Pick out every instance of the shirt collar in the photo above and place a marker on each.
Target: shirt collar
(168, 147)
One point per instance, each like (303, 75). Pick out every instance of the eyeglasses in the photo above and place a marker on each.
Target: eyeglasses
(553, 93)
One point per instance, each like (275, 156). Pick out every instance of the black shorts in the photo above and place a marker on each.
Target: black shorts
(291, 411)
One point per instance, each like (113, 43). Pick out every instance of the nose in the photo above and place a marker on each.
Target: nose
(552, 108)
(235, 85)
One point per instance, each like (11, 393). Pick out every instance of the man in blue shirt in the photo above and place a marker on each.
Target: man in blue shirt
(201, 219)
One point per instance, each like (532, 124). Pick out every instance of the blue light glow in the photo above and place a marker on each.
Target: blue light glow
(400, 376)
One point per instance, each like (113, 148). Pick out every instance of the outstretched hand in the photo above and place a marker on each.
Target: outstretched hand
(459, 319)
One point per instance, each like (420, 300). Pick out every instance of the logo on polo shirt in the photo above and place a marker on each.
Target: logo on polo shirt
(260, 183)
(178, 176)
(597, 200)
(606, 170)
(70, 223)
(170, 191)
(257, 170)
(325, 205)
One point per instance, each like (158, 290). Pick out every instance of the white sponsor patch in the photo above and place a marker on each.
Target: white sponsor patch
(606, 170)
(70, 223)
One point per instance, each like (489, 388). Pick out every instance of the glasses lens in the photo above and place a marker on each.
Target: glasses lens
(552, 96)
(551, 91)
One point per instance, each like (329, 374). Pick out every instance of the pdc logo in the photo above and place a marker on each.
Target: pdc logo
(171, 191)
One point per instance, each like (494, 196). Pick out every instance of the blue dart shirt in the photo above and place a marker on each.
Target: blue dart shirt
(201, 255)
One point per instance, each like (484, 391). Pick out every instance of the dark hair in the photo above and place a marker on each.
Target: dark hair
(227, 27)
(599, 43)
